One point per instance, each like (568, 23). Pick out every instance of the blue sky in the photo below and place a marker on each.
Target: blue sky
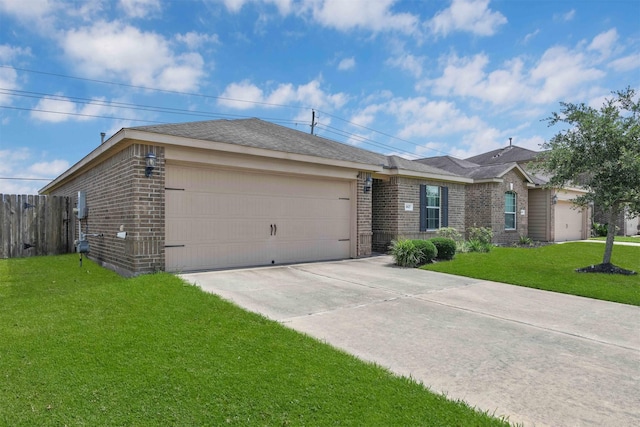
(414, 78)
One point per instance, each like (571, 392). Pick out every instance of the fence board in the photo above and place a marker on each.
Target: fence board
(35, 225)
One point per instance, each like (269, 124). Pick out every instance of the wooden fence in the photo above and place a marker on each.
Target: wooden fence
(35, 225)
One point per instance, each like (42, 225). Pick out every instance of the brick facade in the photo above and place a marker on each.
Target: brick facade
(485, 207)
(120, 195)
(364, 220)
(390, 220)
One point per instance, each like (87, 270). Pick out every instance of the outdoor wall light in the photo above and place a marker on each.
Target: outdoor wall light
(367, 184)
(151, 164)
(554, 199)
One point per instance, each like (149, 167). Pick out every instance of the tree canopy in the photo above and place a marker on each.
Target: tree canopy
(599, 151)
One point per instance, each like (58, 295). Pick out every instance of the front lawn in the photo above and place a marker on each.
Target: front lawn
(83, 346)
(628, 239)
(552, 268)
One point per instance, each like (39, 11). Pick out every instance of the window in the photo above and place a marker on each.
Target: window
(509, 211)
(434, 207)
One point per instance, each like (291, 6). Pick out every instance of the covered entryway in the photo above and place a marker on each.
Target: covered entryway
(223, 218)
(569, 222)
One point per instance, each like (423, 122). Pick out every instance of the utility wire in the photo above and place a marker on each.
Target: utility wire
(26, 179)
(164, 109)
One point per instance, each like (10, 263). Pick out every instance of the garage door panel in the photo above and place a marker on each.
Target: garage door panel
(569, 222)
(222, 218)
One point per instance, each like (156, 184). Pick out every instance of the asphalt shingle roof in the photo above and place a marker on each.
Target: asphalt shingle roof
(260, 134)
(509, 154)
(466, 168)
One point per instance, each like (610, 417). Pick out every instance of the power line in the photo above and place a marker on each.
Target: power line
(174, 92)
(195, 113)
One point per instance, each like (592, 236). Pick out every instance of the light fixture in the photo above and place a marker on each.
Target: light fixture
(151, 164)
(367, 184)
(554, 199)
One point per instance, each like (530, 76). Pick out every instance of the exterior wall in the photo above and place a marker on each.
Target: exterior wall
(392, 221)
(540, 225)
(485, 207)
(384, 213)
(118, 194)
(363, 214)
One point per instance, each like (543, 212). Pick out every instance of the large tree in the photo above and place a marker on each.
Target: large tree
(599, 150)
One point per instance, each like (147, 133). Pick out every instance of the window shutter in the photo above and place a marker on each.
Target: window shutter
(444, 206)
(423, 207)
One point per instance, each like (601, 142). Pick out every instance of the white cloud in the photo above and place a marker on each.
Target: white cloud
(559, 72)
(246, 95)
(565, 17)
(241, 96)
(8, 81)
(195, 40)
(473, 16)
(9, 53)
(35, 10)
(347, 64)
(409, 63)
(420, 117)
(19, 163)
(59, 109)
(283, 6)
(626, 63)
(370, 15)
(467, 77)
(604, 42)
(140, 8)
(48, 169)
(530, 36)
(113, 49)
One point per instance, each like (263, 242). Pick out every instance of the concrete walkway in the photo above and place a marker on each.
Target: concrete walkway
(538, 358)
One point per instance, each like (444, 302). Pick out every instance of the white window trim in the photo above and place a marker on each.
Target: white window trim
(515, 209)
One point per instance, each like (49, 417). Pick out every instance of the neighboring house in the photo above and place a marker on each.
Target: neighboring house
(234, 193)
(497, 199)
(552, 216)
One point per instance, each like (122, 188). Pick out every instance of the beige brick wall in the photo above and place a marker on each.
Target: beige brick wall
(118, 194)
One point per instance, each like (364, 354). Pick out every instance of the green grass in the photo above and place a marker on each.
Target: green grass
(629, 239)
(552, 268)
(85, 347)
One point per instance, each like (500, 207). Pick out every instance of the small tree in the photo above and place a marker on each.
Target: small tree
(600, 151)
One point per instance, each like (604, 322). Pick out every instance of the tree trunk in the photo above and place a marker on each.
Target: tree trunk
(611, 233)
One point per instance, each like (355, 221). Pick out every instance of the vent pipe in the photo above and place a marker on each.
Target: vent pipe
(102, 135)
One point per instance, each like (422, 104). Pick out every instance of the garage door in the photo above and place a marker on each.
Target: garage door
(568, 222)
(217, 218)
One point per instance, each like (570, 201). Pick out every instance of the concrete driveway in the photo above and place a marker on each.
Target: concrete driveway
(538, 358)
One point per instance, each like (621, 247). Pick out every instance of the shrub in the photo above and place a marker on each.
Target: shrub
(480, 239)
(405, 253)
(446, 247)
(525, 241)
(482, 234)
(600, 229)
(450, 233)
(475, 245)
(428, 249)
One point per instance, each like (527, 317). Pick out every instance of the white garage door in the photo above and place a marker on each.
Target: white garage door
(217, 218)
(569, 222)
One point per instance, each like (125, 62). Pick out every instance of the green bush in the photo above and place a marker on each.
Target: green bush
(480, 239)
(600, 229)
(405, 253)
(428, 249)
(481, 234)
(450, 233)
(475, 245)
(446, 247)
